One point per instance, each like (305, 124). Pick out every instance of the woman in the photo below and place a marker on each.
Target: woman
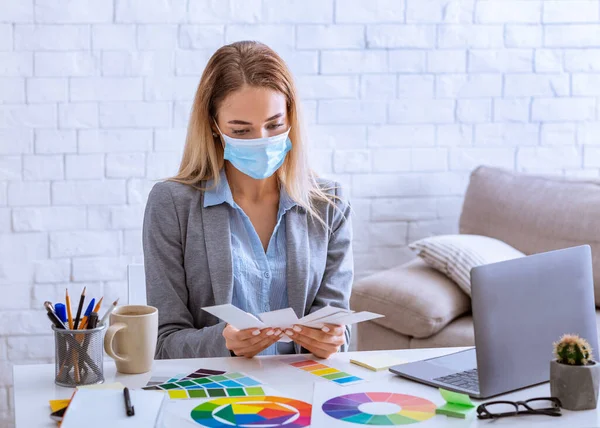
(245, 221)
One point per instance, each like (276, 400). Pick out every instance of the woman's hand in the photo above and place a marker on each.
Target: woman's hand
(321, 343)
(249, 342)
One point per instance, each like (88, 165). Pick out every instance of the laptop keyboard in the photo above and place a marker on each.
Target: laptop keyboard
(465, 380)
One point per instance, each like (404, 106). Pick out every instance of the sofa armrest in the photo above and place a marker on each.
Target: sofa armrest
(416, 300)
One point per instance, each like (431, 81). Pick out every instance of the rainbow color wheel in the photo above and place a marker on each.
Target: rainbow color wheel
(266, 411)
(350, 408)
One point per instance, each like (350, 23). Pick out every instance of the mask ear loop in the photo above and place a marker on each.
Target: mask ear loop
(215, 135)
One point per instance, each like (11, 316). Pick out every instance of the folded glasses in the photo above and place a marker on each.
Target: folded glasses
(549, 406)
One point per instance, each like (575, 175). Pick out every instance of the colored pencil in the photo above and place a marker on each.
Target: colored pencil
(108, 312)
(69, 313)
(98, 305)
(79, 309)
(86, 314)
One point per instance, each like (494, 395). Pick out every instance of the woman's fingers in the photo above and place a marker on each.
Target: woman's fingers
(254, 349)
(317, 335)
(247, 342)
(318, 349)
(334, 330)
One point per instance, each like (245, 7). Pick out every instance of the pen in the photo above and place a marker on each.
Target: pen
(57, 323)
(68, 305)
(61, 312)
(128, 406)
(88, 311)
(79, 309)
(92, 321)
(52, 315)
(108, 312)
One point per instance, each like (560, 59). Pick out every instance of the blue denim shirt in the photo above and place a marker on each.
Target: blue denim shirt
(259, 278)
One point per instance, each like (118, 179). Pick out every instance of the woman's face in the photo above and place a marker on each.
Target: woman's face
(253, 112)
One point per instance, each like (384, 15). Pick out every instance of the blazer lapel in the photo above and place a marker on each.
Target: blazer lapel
(297, 259)
(217, 238)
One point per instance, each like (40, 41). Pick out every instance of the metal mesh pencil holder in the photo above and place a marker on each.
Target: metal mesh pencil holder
(78, 356)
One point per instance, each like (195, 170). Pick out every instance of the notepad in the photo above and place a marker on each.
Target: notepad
(101, 408)
(377, 362)
(457, 405)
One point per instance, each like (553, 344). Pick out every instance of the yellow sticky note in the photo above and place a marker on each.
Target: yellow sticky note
(377, 362)
(58, 404)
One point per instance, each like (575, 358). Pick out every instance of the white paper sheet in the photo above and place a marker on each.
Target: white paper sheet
(285, 318)
(235, 316)
(345, 319)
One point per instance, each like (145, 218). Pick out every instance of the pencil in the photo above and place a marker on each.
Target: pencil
(108, 311)
(79, 309)
(68, 305)
(96, 309)
(86, 314)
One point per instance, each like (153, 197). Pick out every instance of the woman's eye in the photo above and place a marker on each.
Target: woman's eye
(275, 126)
(239, 131)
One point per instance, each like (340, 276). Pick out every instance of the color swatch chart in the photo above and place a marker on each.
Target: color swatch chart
(200, 373)
(267, 411)
(371, 408)
(178, 394)
(223, 385)
(326, 372)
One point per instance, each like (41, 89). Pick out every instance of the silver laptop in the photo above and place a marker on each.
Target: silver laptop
(520, 308)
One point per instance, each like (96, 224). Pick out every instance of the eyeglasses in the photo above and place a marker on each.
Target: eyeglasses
(549, 406)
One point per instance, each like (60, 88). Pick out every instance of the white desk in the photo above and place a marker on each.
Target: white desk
(34, 386)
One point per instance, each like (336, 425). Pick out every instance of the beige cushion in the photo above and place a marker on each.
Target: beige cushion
(372, 337)
(456, 255)
(534, 214)
(458, 333)
(415, 299)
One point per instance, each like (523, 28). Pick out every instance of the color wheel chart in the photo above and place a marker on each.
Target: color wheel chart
(371, 408)
(267, 411)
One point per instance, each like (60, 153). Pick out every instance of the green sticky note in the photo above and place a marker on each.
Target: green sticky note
(453, 410)
(457, 405)
(456, 398)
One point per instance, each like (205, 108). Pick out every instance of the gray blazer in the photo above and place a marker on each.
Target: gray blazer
(188, 263)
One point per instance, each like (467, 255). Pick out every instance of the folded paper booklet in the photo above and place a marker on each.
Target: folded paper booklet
(286, 318)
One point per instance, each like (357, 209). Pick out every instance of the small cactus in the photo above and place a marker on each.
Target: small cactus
(572, 350)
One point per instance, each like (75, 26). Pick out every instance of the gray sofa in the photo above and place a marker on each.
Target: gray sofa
(425, 309)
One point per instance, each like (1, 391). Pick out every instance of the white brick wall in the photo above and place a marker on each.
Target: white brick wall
(403, 98)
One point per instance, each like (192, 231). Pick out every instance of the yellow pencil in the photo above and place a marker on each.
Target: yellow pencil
(97, 307)
(86, 319)
(68, 305)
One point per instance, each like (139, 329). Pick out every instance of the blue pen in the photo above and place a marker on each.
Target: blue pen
(61, 312)
(87, 313)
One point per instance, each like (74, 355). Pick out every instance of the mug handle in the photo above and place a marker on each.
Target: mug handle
(108, 341)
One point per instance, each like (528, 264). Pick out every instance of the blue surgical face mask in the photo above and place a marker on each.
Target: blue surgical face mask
(258, 158)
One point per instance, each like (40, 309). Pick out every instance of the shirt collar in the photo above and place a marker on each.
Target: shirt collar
(216, 195)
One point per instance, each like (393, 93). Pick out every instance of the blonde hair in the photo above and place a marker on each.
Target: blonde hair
(228, 70)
